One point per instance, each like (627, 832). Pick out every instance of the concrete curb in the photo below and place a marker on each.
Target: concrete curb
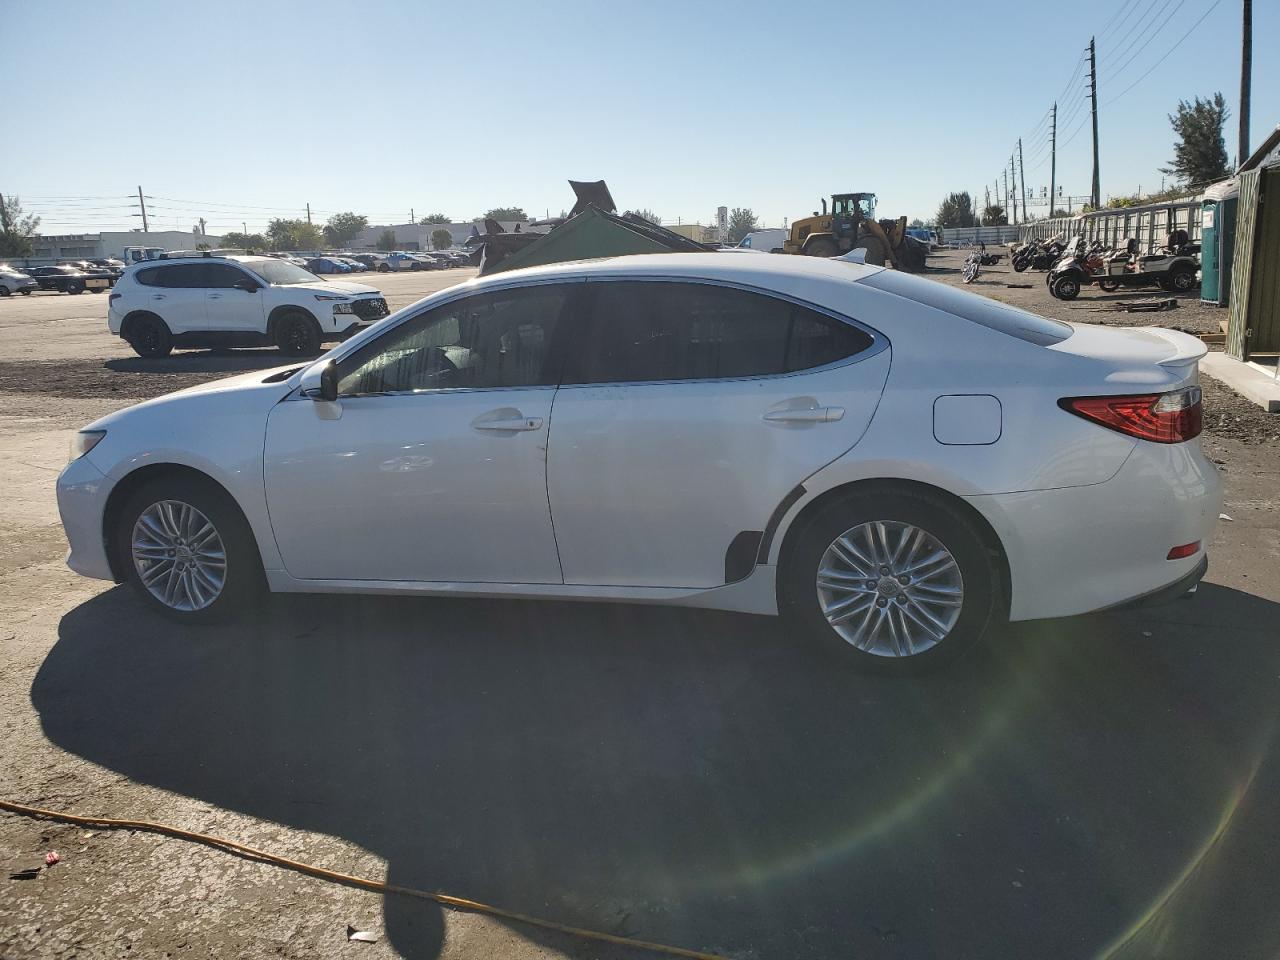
(1251, 384)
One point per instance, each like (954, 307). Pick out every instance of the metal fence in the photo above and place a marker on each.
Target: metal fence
(1150, 225)
(967, 235)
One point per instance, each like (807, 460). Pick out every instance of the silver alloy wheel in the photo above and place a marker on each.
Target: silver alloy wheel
(179, 555)
(890, 588)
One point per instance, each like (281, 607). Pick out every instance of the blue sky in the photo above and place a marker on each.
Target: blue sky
(242, 111)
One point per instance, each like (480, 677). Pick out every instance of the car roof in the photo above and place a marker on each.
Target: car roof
(757, 270)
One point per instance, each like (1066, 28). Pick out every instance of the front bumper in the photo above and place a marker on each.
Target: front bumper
(1081, 549)
(82, 500)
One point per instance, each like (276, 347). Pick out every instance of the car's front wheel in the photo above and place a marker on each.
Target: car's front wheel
(1066, 287)
(188, 550)
(297, 335)
(892, 581)
(150, 337)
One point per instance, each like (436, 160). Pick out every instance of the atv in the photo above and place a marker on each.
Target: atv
(1173, 269)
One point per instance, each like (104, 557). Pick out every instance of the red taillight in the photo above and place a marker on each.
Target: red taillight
(1186, 550)
(1159, 417)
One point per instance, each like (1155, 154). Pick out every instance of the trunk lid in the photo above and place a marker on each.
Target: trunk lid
(1147, 356)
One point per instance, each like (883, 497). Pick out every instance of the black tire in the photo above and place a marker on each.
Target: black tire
(25, 293)
(981, 606)
(243, 578)
(913, 255)
(1109, 286)
(1066, 287)
(4, 291)
(297, 335)
(877, 253)
(1182, 279)
(1020, 264)
(384, 268)
(150, 337)
(821, 247)
(74, 286)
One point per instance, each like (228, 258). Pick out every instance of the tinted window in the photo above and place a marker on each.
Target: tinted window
(149, 277)
(184, 276)
(221, 276)
(641, 331)
(501, 339)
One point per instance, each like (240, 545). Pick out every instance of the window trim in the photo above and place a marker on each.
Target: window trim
(879, 342)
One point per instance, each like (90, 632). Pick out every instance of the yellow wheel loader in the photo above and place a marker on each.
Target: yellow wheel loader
(852, 224)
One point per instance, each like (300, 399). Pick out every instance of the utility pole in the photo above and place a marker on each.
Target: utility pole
(1006, 191)
(412, 219)
(1093, 109)
(1246, 72)
(1053, 156)
(308, 213)
(245, 227)
(1022, 176)
(203, 232)
(143, 204)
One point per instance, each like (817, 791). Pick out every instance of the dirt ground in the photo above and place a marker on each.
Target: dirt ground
(1101, 786)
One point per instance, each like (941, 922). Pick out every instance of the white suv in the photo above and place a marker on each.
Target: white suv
(236, 302)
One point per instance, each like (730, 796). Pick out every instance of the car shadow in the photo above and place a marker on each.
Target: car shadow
(708, 780)
(231, 360)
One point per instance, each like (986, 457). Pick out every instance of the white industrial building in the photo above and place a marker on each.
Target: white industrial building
(81, 246)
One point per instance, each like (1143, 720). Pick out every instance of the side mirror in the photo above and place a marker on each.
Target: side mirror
(320, 382)
(245, 284)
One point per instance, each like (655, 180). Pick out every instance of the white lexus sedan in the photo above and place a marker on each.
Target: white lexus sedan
(894, 463)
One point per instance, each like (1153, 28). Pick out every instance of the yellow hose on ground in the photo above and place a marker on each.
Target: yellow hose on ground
(444, 899)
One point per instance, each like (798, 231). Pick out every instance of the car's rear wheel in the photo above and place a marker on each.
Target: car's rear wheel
(4, 291)
(75, 286)
(297, 335)
(25, 293)
(1109, 286)
(383, 268)
(188, 550)
(892, 581)
(150, 337)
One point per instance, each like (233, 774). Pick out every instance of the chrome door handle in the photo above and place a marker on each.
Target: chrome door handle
(810, 415)
(157, 296)
(215, 296)
(510, 423)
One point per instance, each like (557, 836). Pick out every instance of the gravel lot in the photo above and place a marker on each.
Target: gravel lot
(1101, 786)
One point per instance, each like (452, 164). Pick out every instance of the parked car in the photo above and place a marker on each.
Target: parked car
(91, 269)
(400, 260)
(13, 280)
(236, 302)
(68, 279)
(327, 265)
(894, 464)
(766, 240)
(374, 261)
(355, 265)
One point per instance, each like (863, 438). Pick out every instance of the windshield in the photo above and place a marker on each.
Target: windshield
(279, 271)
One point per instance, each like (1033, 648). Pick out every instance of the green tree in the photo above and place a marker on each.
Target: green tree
(506, 213)
(387, 239)
(1200, 153)
(16, 228)
(1059, 212)
(916, 224)
(957, 211)
(441, 239)
(994, 216)
(342, 228)
(647, 214)
(742, 220)
(294, 235)
(245, 241)
(431, 218)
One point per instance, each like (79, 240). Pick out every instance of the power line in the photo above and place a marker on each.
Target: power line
(1166, 54)
(1123, 7)
(1154, 33)
(1136, 25)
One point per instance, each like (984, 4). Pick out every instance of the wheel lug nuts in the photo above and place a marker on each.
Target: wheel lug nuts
(882, 602)
(902, 601)
(904, 579)
(884, 570)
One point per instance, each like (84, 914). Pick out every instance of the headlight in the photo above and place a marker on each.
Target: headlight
(343, 307)
(83, 442)
(331, 296)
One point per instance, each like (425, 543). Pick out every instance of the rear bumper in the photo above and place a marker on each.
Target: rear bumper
(1179, 588)
(1081, 549)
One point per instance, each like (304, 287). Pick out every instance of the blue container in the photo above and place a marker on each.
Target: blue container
(1218, 241)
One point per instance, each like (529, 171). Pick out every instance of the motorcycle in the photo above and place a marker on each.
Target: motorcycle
(1038, 255)
(1173, 269)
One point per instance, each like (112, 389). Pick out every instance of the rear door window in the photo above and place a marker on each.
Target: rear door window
(639, 331)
